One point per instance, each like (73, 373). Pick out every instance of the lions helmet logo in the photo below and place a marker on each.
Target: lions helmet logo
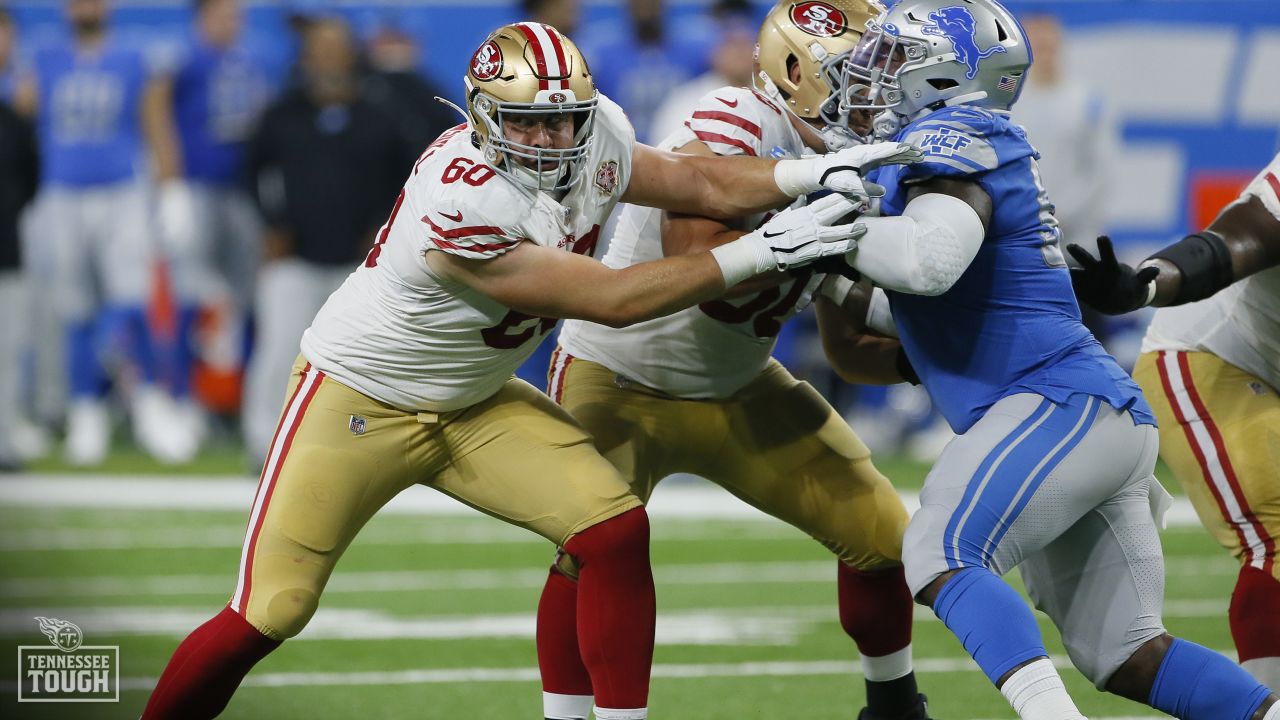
(819, 18)
(487, 62)
(65, 636)
(956, 24)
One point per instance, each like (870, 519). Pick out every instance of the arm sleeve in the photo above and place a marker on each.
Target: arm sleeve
(923, 252)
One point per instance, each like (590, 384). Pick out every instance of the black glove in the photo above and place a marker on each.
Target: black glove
(1106, 284)
(831, 265)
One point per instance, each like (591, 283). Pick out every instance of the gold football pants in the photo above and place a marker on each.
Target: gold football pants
(1220, 435)
(776, 444)
(338, 456)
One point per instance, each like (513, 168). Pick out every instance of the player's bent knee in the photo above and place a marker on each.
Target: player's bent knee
(285, 613)
(621, 535)
(1129, 659)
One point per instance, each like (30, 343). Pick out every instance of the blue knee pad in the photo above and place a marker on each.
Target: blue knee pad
(991, 620)
(1195, 683)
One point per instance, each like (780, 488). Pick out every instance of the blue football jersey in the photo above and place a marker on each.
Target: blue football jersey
(218, 95)
(1010, 324)
(90, 113)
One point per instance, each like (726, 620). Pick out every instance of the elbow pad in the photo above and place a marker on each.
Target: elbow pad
(923, 252)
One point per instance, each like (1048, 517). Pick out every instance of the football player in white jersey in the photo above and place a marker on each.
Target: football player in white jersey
(697, 391)
(405, 375)
(1210, 367)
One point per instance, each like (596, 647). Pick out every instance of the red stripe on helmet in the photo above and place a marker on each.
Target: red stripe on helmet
(539, 56)
(558, 47)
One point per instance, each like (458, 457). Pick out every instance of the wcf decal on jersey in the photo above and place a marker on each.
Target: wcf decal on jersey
(819, 18)
(607, 176)
(944, 142)
(67, 670)
(487, 62)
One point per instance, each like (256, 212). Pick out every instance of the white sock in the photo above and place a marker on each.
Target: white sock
(566, 707)
(622, 714)
(1036, 692)
(887, 667)
(1265, 670)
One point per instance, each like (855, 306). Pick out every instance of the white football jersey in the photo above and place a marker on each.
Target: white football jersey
(400, 334)
(716, 348)
(1241, 323)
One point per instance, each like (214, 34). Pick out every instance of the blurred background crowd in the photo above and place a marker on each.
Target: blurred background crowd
(185, 181)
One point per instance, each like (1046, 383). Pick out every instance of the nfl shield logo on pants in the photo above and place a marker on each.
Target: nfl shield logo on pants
(357, 425)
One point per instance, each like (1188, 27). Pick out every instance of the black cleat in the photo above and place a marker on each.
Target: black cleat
(920, 711)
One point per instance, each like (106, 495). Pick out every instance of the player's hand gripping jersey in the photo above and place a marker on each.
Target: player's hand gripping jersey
(716, 348)
(398, 333)
(1010, 324)
(1240, 323)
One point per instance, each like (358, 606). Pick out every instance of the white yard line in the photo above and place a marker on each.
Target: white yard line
(688, 626)
(691, 499)
(357, 582)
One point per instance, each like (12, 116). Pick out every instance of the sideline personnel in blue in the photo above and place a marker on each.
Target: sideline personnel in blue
(1052, 471)
(96, 115)
(208, 224)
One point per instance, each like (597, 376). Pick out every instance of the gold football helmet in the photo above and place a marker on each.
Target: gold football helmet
(810, 35)
(529, 68)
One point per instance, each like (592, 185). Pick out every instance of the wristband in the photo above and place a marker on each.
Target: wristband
(879, 315)
(791, 177)
(742, 259)
(836, 288)
(1205, 263)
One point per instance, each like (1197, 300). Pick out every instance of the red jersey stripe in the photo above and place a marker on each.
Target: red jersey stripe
(729, 118)
(724, 140)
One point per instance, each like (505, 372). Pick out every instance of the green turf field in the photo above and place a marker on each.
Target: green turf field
(431, 617)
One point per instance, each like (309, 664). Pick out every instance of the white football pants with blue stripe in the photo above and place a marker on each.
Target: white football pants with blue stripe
(1067, 494)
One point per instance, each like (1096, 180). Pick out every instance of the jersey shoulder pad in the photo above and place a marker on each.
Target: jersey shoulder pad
(730, 121)
(612, 119)
(964, 141)
(1266, 187)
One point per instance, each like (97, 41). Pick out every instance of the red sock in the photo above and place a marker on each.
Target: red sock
(559, 659)
(1255, 605)
(616, 608)
(207, 668)
(875, 609)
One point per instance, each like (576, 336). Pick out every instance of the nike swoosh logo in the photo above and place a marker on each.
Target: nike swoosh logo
(768, 234)
(456, 218)
(726, 102)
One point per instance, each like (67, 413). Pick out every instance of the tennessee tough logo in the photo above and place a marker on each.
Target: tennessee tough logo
(819, 18)
(487, 62)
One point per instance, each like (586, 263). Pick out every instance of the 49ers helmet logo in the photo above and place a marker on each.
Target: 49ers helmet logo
(487, 62)
(819, 18)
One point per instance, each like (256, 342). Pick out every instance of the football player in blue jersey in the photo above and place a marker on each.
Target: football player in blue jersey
(1052, 469)
(94, 108)
(207, 223)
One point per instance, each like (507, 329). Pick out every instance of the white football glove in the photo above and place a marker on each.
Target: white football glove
(842, 171)
(176, 216)
(792, 238)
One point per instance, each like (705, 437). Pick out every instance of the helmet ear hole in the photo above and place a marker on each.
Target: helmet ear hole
(1001, 35)
(942, 83)
(793, 70)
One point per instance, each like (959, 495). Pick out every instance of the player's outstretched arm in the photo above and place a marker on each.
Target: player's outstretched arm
(925, 250)
(553, 283)
(1242, 240)
(730, 187)
(855, 352)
